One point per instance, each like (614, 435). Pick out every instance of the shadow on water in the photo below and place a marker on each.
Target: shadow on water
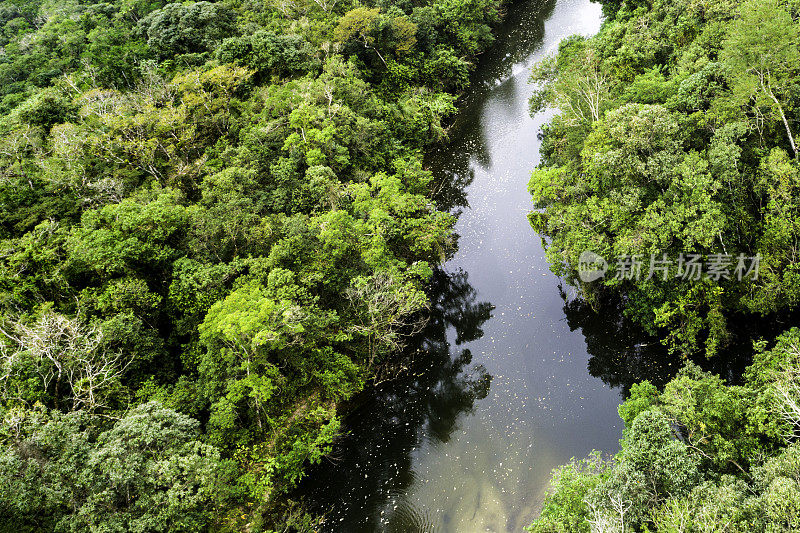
(436, 449)
(359, 487)
(622, 353)
(521, 33)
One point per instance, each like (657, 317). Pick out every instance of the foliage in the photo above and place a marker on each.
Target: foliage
(146, 472)
(698, 456)
(565, 510)
(675, 137)
(215, 228)
(181, 29)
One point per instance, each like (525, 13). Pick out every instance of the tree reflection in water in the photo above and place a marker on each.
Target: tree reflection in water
(622, 354)
(359, 485)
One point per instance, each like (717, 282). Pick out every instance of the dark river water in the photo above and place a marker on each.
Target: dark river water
(512, 375)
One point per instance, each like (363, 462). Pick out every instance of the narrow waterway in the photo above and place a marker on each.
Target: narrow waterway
(513, 377)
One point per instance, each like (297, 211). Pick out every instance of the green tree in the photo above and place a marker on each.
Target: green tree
(762, 52)
(146, 473)
(180, 29)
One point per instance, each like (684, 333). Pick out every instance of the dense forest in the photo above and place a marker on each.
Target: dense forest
(215, 228)
(676, 138)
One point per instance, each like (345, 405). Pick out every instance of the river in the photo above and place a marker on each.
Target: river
(513, 376)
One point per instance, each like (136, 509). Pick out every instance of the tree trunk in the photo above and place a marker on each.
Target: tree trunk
(767, 88)
(786, 125)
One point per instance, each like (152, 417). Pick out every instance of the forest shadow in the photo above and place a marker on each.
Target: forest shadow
(622, 353)
(372, 464)
(521, 33)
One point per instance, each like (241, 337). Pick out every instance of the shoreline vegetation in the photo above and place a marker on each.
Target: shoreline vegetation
(216, 227)
(676, 135)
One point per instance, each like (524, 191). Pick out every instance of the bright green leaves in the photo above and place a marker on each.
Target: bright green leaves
(196, 287)
(693, 153)
(762, 52)
(233, 202)
(131, 236)
(264, 353)
(652, 467)
(637, 194)
(773, 375)
(466, 23)
(643, 396)
(636, 145)
(708, 506)
(129, 294)
(565, 508)
(620, 196)
(304, 437)
(686, 155)
(316, 137)
(359, 25)
(254, 331)
(699, 454)
(32, 270)
(398, 218)
(162, 130)
(247, 322)
(777, 286)
(425, 112)
(778, 479)
(686, 315)
(373, 30)
(715, 418)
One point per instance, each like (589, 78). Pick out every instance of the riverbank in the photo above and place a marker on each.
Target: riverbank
(427, 453)
(216, 225)
(673, 141)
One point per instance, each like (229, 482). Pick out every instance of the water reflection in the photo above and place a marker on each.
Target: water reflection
(520, 35)
(361, 486)
(621, 353)
(439, 450)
